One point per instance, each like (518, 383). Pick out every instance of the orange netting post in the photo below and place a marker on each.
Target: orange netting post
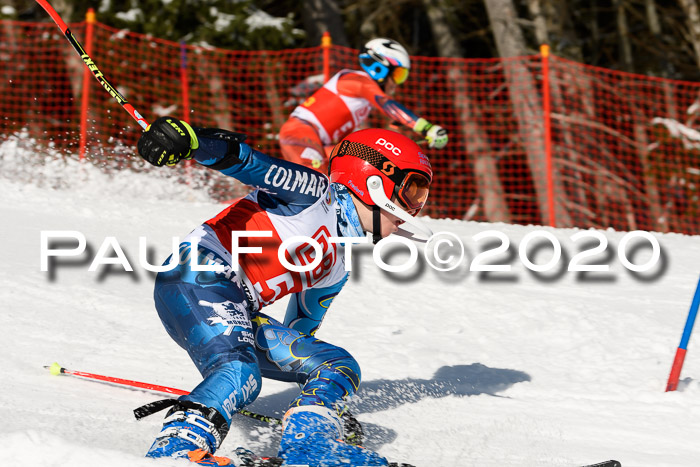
(547, 121)
(537, 140)
(326, 45)
(185, 82)
(90, 20)
(185, 86)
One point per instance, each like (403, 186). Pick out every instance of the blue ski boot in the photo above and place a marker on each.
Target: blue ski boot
(313, 437)
(191, 431)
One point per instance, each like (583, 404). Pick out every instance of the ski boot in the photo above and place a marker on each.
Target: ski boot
(354, 434)
(312, 437)
(191, 431)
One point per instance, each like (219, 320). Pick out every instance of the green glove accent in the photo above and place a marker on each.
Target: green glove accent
(436, 137)
(195, 142)
(421, 126)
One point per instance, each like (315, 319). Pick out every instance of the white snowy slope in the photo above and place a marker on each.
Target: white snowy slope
(459, 368)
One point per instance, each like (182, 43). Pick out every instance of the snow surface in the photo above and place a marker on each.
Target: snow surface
(459, 368)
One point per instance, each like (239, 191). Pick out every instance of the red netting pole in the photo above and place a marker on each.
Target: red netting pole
(546, 110)
(185, 82)
(326, 45)
(89, 31)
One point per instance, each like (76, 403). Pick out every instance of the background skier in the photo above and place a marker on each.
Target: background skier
(345, 102)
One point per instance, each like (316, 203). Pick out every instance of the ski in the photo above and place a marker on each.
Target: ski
(277, 462)
(248, 459)
(610, 463)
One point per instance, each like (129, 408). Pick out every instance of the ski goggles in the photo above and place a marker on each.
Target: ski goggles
(399, 74)
(411, 187)
(413, 192)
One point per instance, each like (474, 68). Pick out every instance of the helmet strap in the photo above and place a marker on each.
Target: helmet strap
(376, 224)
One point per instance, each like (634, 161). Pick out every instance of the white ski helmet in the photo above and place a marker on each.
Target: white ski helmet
(383, 57)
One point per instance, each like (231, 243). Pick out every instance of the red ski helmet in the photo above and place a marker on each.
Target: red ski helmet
(384, 156)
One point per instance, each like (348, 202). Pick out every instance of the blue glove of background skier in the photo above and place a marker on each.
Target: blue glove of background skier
(167, 141)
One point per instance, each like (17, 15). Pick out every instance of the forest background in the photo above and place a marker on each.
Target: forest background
(652, 37)
(611, 144)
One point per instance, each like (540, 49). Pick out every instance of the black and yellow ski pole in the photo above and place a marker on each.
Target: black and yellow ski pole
(91, 64)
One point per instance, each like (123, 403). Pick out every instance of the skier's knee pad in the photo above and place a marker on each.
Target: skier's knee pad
(228, 387)
(334, 376)
(346, 368)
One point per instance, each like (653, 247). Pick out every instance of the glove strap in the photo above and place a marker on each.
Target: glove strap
(216, 133)
(194, 142)
(153, 407)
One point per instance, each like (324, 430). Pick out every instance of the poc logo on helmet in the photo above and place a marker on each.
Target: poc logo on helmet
(390, 146)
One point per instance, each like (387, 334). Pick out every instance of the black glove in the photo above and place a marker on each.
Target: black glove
(167, 141)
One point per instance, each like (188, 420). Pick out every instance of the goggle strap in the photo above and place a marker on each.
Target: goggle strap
(375, 187)
(373, 157)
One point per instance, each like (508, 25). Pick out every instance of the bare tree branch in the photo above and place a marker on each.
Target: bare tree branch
(692, 11)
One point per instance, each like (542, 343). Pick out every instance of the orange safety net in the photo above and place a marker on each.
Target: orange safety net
(533, 140)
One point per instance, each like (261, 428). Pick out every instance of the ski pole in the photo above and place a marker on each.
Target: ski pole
(672, 384)
(91, 64)
(56, 369)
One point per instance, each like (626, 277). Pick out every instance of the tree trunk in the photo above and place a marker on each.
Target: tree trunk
(447, 45)
(652, 17)
(76, 68)
(624, 33)
(275, 102)
(66, 9)
(526, 102)
(658, 222)
(490, 192)
(218, 107)
(320, 16)
(595, 30)
(561, 25)
(538, 17)
(692, 13)
(506, 32)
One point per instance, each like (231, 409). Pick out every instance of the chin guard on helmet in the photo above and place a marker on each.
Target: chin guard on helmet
(376, 193)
